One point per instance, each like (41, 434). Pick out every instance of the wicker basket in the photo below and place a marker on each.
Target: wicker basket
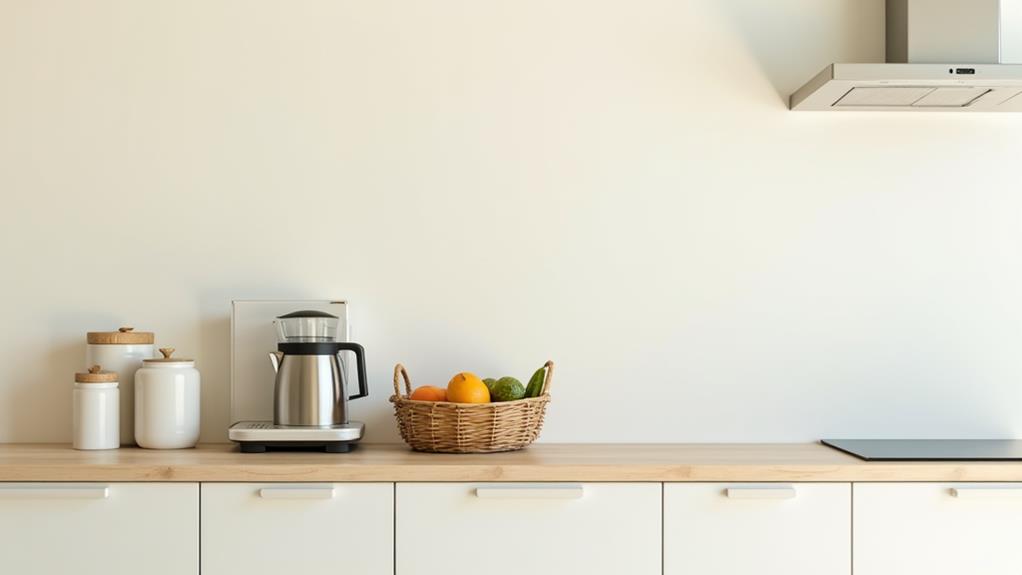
(444, 427)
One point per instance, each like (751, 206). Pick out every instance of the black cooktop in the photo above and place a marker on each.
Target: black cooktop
(930, 449)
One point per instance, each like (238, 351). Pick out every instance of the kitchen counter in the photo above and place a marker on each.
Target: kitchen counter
(540, 462)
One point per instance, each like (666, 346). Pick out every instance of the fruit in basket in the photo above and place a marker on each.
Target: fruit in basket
(507, 389)
(429, 393)
(467, 388)
(489, 381)
(535, 386)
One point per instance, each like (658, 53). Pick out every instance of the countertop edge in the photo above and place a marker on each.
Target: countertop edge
(542, 462)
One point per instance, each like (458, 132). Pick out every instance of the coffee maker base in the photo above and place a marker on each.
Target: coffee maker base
(264, 446)
(260, 436)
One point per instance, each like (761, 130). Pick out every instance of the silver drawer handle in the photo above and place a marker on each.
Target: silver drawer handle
(780, 492)
(986, 492)
(541, 491)
(54, 491)
(297, 492)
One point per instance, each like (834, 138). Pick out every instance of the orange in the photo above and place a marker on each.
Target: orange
(429, 393)
(467, 388)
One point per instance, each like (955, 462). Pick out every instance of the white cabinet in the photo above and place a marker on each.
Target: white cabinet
(937, 529)
(516, 529)
(278, 528)
(99, 529)
(771, 529)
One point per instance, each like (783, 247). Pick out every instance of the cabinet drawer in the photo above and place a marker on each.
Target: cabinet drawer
(937, 528)
(511, 529)
(773, 529)
(99, 528)
(275, 528)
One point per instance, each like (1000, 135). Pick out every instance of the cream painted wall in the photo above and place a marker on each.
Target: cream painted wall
(613, 184)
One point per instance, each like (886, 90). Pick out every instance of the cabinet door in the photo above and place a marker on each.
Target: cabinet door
(773, 529)
(937, 529)
(99, 529)
(280, 528)
(516, 529)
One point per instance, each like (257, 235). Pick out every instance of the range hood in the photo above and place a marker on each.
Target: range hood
(942, 55)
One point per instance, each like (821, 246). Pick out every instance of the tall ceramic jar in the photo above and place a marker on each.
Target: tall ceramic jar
(121, 351)
(167, 402)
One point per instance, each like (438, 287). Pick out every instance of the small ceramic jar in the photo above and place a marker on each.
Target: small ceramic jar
(121, 351)
(95, 416)
(167, 402)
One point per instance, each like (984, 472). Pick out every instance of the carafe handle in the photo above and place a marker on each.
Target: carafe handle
(360, 362)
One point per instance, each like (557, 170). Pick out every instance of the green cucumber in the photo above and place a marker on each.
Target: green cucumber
(535, 386)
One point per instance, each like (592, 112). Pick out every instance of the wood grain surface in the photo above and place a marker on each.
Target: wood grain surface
(540, 462)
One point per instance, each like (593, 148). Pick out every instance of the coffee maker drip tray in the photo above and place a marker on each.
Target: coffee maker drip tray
(258, 436)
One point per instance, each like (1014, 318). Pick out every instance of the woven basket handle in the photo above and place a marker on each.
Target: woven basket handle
(401, 372)
(549, 376)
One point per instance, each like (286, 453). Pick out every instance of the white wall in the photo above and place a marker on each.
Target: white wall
(613, 184)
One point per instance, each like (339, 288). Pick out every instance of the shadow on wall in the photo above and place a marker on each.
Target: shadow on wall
(792, 40)
(46, 387)
(215, 348)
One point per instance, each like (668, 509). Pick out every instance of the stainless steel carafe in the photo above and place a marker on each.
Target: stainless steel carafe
(310, 387)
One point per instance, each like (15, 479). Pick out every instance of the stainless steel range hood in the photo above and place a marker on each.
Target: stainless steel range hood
(942, 55)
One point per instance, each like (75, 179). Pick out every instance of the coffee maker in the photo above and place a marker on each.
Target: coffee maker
(310, 387)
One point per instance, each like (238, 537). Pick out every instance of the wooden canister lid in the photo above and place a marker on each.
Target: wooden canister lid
(167, 352)
(96, 375)
(123, 336)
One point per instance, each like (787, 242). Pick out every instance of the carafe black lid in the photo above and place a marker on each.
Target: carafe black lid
(310, 347)
(306, 313)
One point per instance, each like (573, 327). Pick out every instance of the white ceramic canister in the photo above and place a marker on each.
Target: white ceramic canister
(167, 402)
(95, 416)
(121, 351)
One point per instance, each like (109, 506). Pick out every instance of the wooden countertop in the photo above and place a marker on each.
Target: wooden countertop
(540, 462)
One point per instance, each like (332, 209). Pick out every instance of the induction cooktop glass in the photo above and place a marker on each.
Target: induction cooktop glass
(930, 449)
